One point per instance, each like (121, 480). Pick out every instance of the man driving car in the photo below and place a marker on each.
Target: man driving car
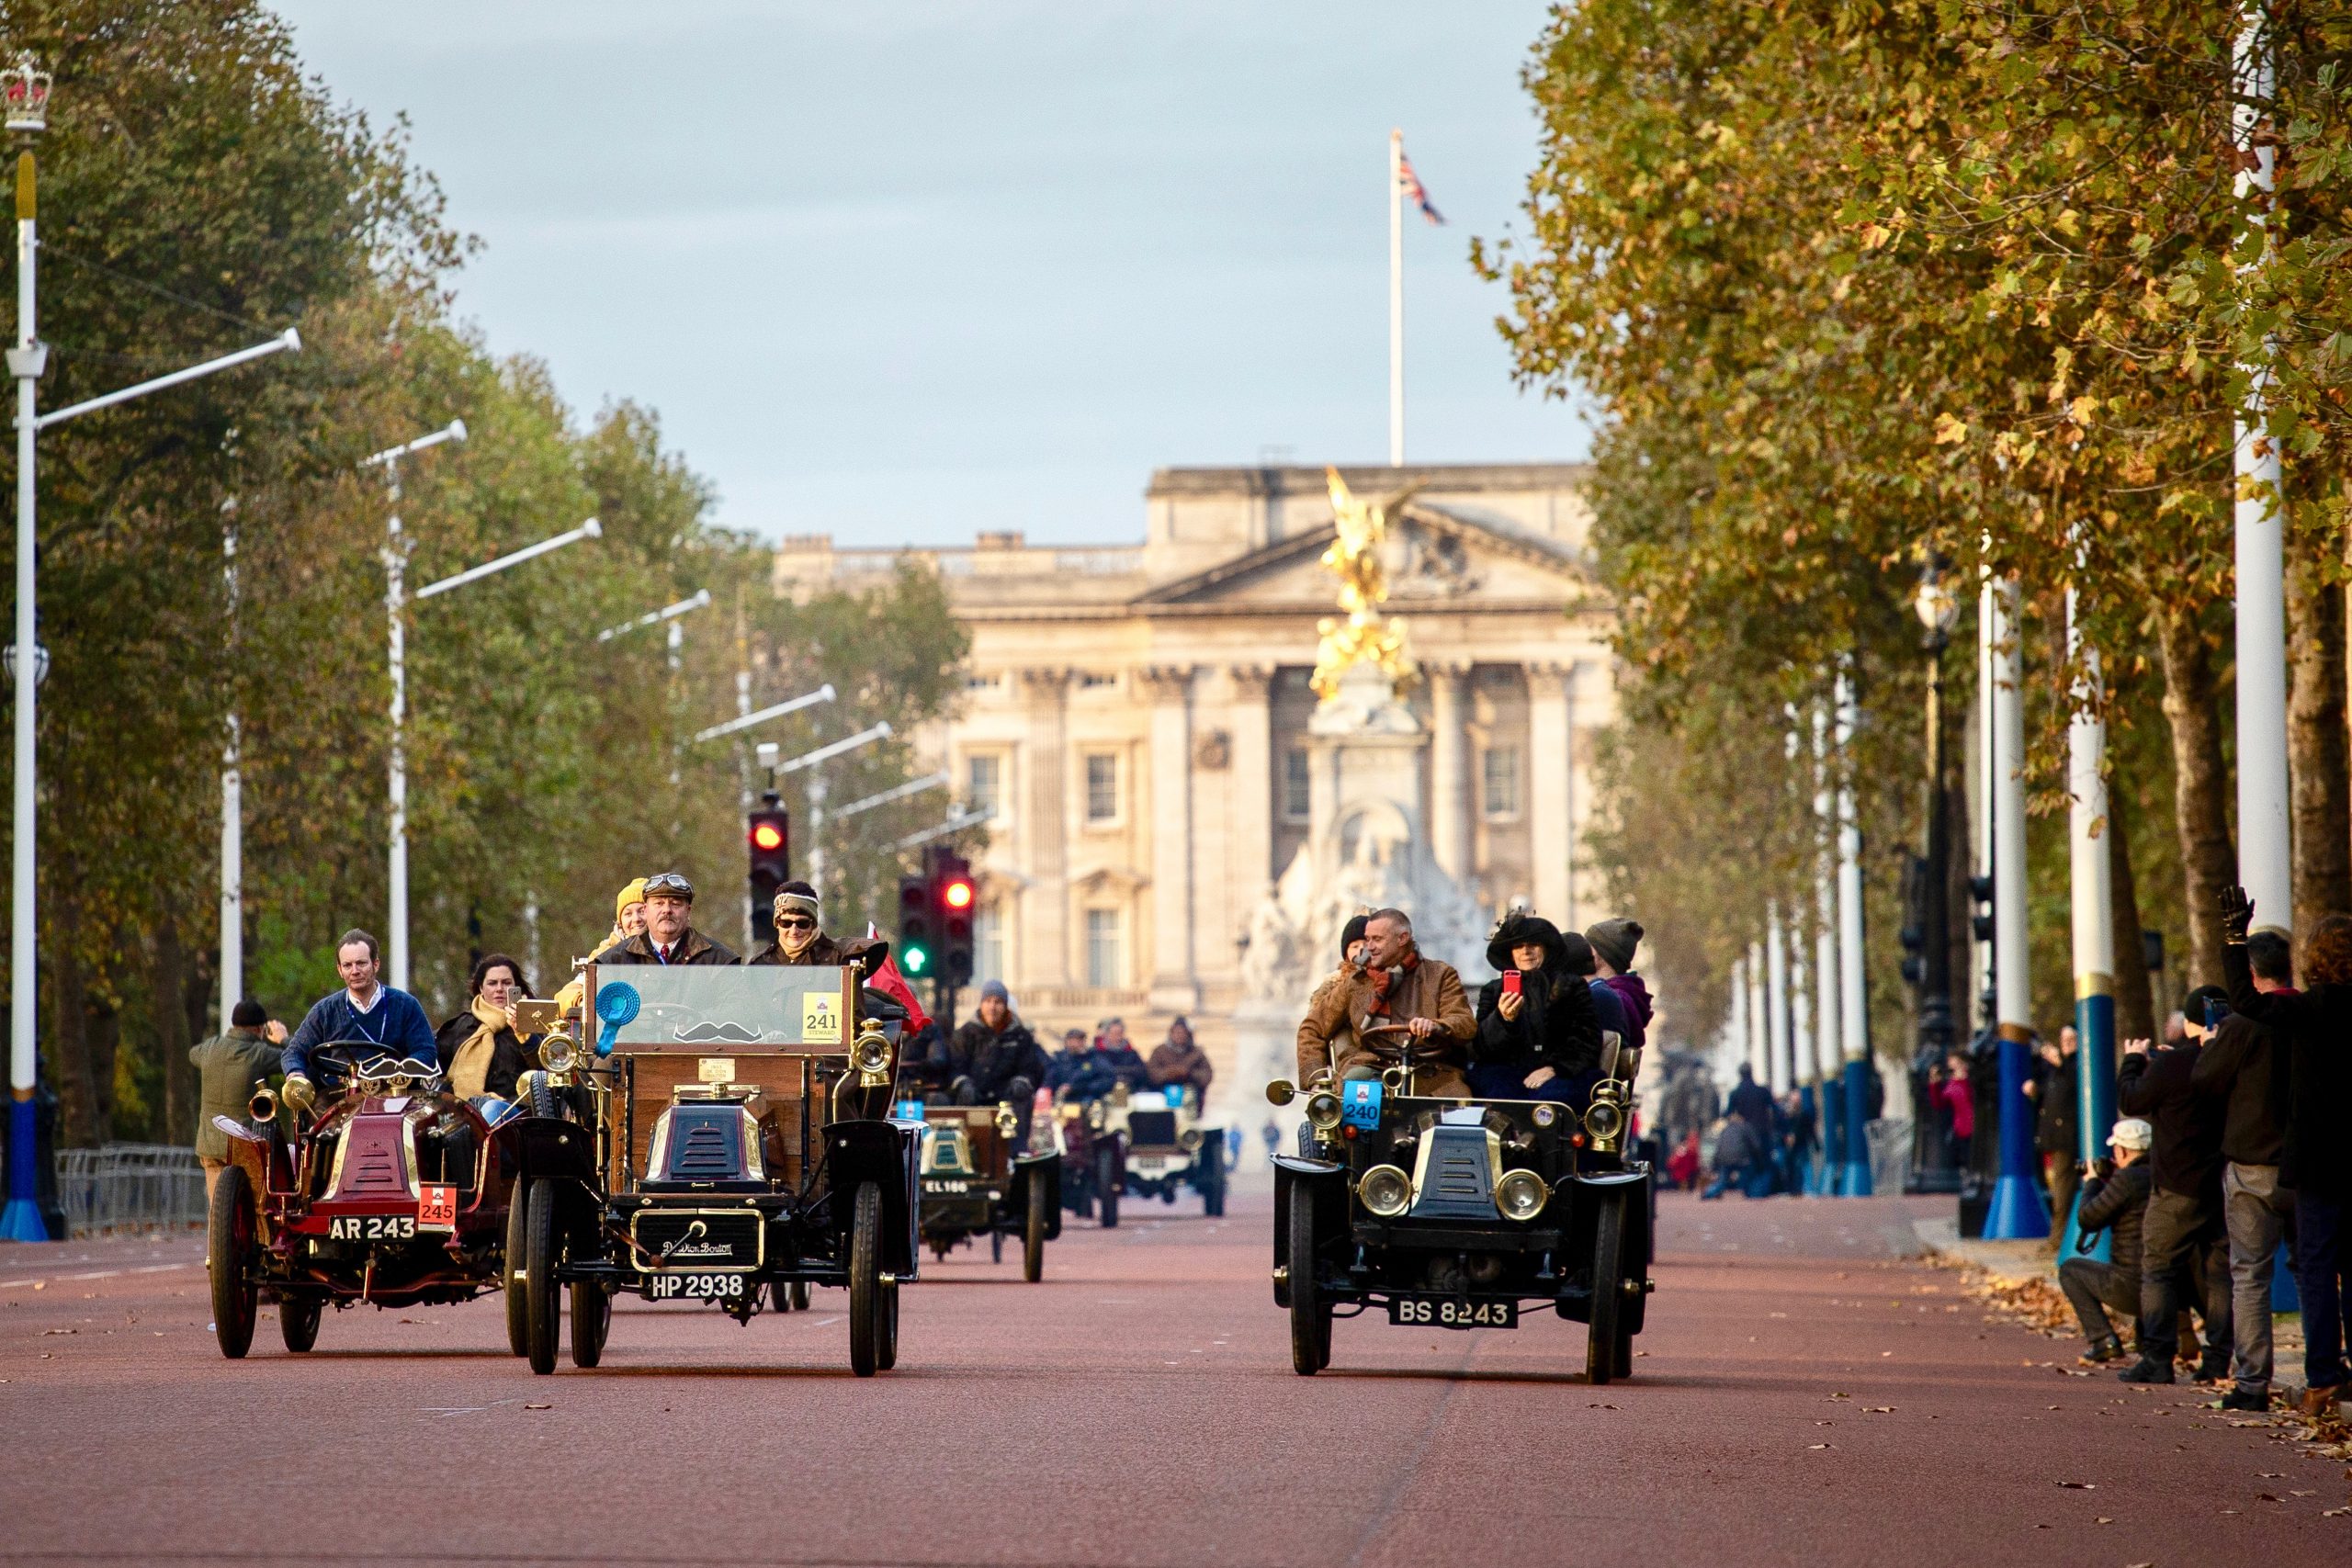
(1395, 997)
(366, 1010)
(669, 936)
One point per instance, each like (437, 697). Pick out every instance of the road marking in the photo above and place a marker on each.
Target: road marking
(38, 1280)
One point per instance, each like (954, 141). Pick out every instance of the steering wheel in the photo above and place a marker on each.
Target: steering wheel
(1395, 1043)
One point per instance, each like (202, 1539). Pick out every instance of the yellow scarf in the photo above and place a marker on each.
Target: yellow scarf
(470, 1070)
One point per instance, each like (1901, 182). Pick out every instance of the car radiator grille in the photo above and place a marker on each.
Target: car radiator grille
(698, 1240)
(1151, 1127)
(1459, 1181)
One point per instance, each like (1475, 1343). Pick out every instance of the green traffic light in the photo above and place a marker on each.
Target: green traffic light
(915, 960)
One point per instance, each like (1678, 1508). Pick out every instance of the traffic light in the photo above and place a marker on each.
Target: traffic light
(957, 897)
(918, 945)
(768, 833)
(1980, 892)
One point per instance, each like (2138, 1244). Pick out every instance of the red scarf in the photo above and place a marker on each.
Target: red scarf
(1382, 978)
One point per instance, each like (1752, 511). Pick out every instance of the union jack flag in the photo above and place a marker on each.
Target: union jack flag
(1413, 191)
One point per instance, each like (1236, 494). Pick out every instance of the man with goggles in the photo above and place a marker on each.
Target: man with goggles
(669, 936)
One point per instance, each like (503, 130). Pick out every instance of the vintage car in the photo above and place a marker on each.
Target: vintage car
(1169, 1150)
(976, 1181)
(1095, 1155)
(392, 1191)
(1453, 1213)
(742, 1151)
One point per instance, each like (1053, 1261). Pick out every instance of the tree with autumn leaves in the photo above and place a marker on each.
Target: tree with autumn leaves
(1853, 284)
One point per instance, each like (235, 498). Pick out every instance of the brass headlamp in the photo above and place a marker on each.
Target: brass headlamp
(871, 1057)
(1007, 1121)
(558, 1052)
(1604, 1121)
(262, 1106)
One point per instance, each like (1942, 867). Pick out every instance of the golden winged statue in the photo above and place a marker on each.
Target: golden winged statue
(1365, 635)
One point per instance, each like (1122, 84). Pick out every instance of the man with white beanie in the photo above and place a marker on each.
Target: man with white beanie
(2114, 1200)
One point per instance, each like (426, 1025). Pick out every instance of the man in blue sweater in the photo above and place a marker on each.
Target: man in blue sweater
(365, 1009)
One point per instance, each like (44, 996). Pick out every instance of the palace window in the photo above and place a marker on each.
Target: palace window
(1498, 774)
(984, 783)
(1298, 793)
(1101, 786)
(987, 943)
(1106, 949)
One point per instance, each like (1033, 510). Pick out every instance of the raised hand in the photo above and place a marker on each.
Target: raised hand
(2237, 915)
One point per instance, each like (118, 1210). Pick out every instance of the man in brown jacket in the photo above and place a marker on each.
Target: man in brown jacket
(1394, 985)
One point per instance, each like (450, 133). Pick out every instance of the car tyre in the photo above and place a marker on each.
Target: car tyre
(886, 1354)
(1310, 1323)
(800, 1295)
(1213, 1179)
(298, 1321)
(543, 1096)
(542, 1304)
(229, 1253)
(592, 1320)
(1033, 1233)
(780, 1295)
(518, 1212)
(996, 1246)
(866, 1305)
(1106, 1187)
(1608, 1289)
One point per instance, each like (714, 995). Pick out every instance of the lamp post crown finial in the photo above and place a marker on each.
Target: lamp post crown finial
(24, 89)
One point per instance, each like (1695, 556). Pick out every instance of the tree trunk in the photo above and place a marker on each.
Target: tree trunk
(80, 1118)
(1962, 910)
(2135, 1005)
(2200, 785)
(2321, 797)
(168, 987)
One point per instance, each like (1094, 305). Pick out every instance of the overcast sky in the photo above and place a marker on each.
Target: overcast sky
(898, 272)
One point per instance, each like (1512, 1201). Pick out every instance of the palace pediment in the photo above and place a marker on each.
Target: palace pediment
(1434, 557)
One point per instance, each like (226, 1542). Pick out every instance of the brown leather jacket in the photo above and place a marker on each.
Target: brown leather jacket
(1342, 1005)
(1172, 1062)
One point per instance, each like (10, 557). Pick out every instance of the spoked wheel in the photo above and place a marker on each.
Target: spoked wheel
(1601, 1345)
(592, 1320)
(1032, 1235)
(1310, 1316)
(1212, 1181)
(865, 1303)
(542, 1305)
(1106, 1187)
(298, 1321)
(229, 1253)
(518, 1211)
(886, 1354)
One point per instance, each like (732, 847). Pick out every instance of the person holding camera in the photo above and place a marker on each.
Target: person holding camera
(2115, 1199)
(2183, 1234)
(2244, 1070)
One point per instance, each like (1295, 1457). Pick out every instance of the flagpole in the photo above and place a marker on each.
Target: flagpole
(1395, 299)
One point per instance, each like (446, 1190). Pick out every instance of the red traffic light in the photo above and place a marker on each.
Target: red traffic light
(958, 895)
(766, 836)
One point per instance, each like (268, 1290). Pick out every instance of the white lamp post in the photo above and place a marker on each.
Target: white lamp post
(395, 559)
(24, 91)
(816, 792)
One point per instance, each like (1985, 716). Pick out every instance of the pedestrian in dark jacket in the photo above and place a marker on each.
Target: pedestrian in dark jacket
(1613, 943)
(2057, 1124)
(2315, 1026)
(668, 937)
(2183, 1236)
(2116, 1202)
(994, 1058)
(2240, 1067)
(480, 1051)
(800, 940)
(1543, 1040)
(1750, 1101)
(228, 1069)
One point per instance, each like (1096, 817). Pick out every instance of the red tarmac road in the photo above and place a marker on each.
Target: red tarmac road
(1805, 1395)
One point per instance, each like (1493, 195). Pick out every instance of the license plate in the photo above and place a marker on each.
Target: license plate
(436, 1206)
(1447, 1311)
(696, 1287)
(371, 1228)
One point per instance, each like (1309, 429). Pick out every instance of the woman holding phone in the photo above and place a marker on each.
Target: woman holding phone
(1539, 1037)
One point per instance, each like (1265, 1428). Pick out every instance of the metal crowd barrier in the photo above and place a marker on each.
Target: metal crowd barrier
(129, 1187)
(1890, 1153)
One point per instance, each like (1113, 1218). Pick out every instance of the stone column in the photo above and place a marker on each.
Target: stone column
(1043, 833)
(1450, 768)
(1549, 798)
(1169, 688)
(1253, 785)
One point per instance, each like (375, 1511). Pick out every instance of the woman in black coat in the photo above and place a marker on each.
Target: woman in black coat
(1545, 1043)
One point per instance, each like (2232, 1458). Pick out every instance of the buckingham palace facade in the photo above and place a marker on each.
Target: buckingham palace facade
(1136, 718)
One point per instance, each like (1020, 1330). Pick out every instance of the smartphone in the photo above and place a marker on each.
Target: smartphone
(1511, 982)
(2216, 1010)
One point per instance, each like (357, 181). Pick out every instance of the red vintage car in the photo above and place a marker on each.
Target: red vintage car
(392, 1192)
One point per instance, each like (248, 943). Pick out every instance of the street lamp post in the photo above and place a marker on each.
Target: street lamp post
(395, 559)
(24, 91)
(1932, 1166)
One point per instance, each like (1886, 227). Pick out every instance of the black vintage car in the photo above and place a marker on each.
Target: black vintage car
(1457, 1214)
(978, 1181)
(744, 1150)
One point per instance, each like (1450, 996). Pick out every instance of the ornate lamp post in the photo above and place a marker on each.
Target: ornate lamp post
(1932, 1169)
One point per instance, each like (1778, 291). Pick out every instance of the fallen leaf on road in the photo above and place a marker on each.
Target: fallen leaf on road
(1779, 1315)
(1884, 1354)
(1601, 1407)
(2080, 1485)
(40, 1284)
(2264, 1497)
(1842, 1396)
(2102, 1519)
(1816, 1445)
(538, 1408)
(45, 1332)
(1878, 1409)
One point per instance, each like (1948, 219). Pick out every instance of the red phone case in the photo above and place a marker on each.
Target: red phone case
(1511, 982)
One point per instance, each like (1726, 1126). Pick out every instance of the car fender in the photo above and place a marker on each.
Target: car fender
(546, 1148)
(885, 1154)
(1611, 1177)
(1046, 1167)
(1330, 1183)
